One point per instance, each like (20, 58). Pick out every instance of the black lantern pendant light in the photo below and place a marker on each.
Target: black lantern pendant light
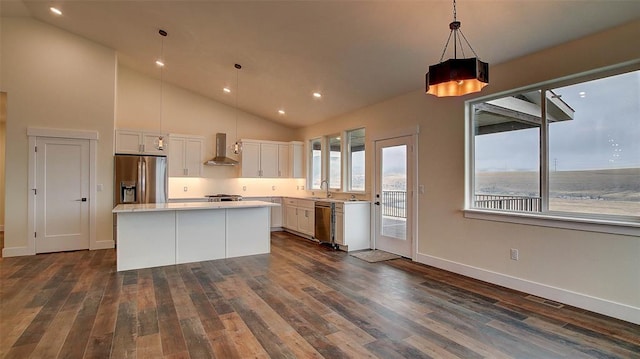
(457, 77)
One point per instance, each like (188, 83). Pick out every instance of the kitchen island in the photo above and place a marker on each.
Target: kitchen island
(158, 234)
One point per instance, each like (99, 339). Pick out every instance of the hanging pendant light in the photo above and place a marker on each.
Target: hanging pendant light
(237, 147)
(160, 62)
(457, 77)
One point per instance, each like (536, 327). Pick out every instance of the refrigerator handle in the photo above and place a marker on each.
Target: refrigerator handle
(141, 181)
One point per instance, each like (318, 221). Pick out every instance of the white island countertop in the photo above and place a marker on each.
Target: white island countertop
(189, 206)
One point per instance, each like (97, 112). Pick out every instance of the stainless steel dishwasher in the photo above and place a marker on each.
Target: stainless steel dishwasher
(325, 222)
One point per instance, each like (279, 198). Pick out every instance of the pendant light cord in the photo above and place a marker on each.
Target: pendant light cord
(237, 93)
(455, 28)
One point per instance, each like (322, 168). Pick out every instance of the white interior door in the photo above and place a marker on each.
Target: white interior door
(62, 191)
(393, 194)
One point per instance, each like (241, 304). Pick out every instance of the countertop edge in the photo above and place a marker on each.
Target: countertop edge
(189, 206)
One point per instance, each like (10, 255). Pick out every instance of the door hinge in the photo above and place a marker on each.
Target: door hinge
(36, 148)
(35, 191)
(35, 234)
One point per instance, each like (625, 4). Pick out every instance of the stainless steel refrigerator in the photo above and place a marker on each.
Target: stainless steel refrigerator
(140, 179)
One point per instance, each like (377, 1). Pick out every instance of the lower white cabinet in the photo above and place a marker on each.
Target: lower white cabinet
(300, 216)
(276, 213)
(353, 230)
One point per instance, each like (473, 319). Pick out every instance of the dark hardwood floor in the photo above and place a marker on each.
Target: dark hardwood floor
(300, 301)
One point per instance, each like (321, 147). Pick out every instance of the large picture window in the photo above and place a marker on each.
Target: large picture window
(570, 149)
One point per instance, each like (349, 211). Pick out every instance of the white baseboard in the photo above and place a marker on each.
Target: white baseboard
(108, 244)
(17, 252)
(597, 305)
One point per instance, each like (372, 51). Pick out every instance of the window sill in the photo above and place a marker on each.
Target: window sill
(558, 221)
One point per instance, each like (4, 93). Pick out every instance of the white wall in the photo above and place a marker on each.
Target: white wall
(3, 138)
(596, 271)
(185, 112)
(54, 79)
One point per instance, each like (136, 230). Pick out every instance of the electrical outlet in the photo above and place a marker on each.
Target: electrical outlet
(185, 189)
(273, 188)
(244, 188)
(514, 254)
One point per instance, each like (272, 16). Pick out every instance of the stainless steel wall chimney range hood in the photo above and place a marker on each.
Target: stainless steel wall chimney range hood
(221, 158)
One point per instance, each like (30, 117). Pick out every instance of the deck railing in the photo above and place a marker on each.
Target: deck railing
(508, 203)
(394, 203)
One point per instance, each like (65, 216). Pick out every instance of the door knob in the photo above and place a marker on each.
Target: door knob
(83, 199)
(377, 203)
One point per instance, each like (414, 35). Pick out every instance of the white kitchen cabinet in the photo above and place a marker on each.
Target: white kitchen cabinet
(306, 221)
(283, 160)
(185, 156)
(269, 159)
(353, 230)
(259, 160)
(276, 213)
(296, 159)
(250, 160)
(138, 142)
(277, 222)
(290, 210)
(300, 216)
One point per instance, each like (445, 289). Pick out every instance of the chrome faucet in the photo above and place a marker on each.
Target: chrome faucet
(327, 183)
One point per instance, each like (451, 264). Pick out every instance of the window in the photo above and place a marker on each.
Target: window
(315, 160)
(355, 160)
(335, 162)
(507, 132)
(568, 149)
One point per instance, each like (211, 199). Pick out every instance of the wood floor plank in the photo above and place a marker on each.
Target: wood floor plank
(51, 343)
(301, 301)
(99, 345)
(78, 335)
(168, 323)
(149, 346)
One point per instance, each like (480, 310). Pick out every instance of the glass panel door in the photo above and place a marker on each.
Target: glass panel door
(393, 204)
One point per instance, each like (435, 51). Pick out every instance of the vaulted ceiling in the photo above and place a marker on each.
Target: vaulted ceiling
(355, 53)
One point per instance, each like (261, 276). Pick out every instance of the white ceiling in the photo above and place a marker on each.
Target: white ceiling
(355, 53)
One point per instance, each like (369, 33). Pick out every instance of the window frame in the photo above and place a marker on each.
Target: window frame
(310, 161)
(616, 224)
(340, 137)
(348, 167)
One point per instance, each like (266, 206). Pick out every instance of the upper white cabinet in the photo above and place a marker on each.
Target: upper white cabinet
(266, 159)
(296, 158)
(138, 142)
(283, 160)
(185, 155)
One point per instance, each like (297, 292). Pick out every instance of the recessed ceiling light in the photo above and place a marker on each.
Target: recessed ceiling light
(55, 11)
(582, 94)
(317, 95)
(226, 90)
(281, 112)
(160, 62)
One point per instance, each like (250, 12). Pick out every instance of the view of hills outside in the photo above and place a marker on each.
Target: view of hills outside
(357, 171)
(594, 159)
